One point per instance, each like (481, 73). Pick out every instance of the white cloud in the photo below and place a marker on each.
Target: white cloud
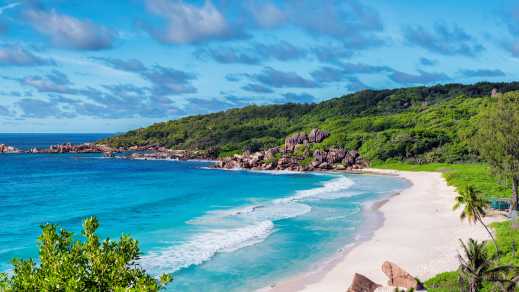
(187, 23)
(14, 55)
(70, 32)
(267, 15)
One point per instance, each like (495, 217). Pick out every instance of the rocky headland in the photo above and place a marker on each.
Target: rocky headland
(8, 149)
(62, 148)
(301, 152)
(167, 154)
(148, 152)
(72, 148)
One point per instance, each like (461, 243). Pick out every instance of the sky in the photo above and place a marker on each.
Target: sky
(111, 66)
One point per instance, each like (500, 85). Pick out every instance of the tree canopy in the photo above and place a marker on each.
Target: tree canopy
(498, 137)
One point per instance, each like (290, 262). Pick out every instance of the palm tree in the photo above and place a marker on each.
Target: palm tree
(477, 266)
(473, 205)
(510, 285)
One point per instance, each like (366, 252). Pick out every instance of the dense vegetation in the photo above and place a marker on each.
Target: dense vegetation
(428, 124)
(66, 264)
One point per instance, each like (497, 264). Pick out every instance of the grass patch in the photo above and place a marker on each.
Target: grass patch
(508, 242)
(443, 282)
(459, 176)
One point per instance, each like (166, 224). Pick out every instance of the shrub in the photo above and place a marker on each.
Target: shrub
(443, 282)
(73, 265)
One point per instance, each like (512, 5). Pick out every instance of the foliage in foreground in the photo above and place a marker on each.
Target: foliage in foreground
(443, 282)
(90, 265)
(477, 267)
(494, 273)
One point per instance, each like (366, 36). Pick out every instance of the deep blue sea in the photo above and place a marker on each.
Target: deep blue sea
(215, 230)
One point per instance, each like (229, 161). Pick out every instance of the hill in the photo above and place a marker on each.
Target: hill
(429, 124)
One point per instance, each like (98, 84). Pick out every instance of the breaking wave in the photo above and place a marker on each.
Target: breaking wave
(203, 247)
(333, 189)
(255, 221)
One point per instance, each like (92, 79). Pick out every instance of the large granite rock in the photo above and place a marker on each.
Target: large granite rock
(270, 153)
(398, 277)
(295, 139)
(361, 283)
(335, 155)
(317, 136)
(320, 156)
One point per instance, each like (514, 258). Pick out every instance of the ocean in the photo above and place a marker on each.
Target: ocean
(215, 230)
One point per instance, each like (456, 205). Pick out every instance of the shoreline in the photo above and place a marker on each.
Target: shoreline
(402, 233)
(373, 219)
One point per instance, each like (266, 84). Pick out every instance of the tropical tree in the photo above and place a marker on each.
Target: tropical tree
(477, 266)
(498, 139)
(473, 205)
(511, 284)
(88, 265)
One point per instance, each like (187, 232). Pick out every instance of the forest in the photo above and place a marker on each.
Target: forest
(418, 124)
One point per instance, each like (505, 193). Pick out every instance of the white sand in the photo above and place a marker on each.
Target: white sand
(420, 233)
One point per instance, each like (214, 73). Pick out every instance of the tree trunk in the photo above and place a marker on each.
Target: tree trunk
(473, 287)
(515, 199)
(515, 196)
(489, 232)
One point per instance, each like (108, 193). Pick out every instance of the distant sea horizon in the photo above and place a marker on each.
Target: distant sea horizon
(221, 230)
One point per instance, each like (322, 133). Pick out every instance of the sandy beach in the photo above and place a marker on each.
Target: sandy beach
(419, 232)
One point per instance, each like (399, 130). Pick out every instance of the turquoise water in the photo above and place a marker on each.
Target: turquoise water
(220, 230)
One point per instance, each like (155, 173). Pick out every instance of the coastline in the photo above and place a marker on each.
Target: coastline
(416, 229)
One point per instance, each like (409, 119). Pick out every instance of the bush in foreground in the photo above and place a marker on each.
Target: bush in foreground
(73, 265)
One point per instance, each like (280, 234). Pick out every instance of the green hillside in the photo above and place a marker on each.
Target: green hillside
(429, 124)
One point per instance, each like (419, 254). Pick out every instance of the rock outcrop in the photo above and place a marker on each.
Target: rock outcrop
(398, 277)
(317, 136)
(165, 154)
(8, 149)
(74, 148)
(361, 283)
(297, 155)
(295, 139)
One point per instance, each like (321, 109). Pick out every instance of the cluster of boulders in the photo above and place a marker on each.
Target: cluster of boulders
(337, 158)
(301, 138)
(8, 149)
(72, 148)
(297, 155)
(165, 154)
(397, 277)
(157, 148)
(65, 148)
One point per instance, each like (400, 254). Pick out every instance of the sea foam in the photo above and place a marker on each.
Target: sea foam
(333, 189)
(258, 220)
(203, 247)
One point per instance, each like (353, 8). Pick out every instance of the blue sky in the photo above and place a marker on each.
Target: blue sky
(110, 66)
